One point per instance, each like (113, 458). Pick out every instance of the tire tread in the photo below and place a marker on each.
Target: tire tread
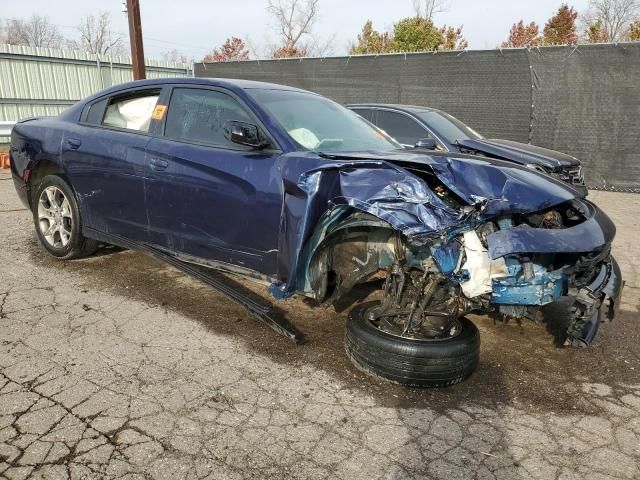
(408, 361)
(80, 246)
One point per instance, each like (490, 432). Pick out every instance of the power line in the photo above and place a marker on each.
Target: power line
(177, 43)
(151, 39)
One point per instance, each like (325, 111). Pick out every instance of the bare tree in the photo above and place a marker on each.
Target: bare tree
(97, 37)
(175, 56)
(257, 50)
(428, 9)
(612, 16)
(319, 47)
(36, 31)
(294, 19)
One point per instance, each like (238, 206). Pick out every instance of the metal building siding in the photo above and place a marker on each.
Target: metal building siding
(54, 79)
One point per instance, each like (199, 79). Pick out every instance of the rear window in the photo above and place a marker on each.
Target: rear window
(93, 113)
(132, 112)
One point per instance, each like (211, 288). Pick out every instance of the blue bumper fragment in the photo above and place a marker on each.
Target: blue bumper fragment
(542, 289)
(593, 234)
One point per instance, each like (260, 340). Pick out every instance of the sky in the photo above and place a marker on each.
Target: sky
(195, 27)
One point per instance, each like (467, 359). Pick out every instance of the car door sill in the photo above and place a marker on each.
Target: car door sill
(222, 266)
(259, 307)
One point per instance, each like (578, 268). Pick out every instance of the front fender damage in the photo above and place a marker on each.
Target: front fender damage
(443, 250)
(320, 198)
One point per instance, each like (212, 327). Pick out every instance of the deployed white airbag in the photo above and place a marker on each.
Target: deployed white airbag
(134, 114)
(305, 137)
(480, 267)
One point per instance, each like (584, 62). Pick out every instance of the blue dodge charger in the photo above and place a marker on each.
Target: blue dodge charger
(290, 189)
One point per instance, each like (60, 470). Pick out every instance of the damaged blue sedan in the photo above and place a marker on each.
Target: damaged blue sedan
(288, 188)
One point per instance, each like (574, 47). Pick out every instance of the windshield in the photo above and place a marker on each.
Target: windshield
(448, 127)
(319, 124)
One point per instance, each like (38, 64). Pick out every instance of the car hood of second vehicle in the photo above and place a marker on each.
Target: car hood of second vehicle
(521, 153)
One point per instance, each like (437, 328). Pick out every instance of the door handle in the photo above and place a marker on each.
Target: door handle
(158, 164)
(74, 143)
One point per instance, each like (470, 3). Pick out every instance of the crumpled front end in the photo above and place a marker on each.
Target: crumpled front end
(519, 264)
(443, 249)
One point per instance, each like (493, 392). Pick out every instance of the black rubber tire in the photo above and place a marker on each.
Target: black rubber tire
(79, 246)
(419, 363)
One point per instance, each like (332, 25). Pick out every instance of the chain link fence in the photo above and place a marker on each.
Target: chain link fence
(583, 100)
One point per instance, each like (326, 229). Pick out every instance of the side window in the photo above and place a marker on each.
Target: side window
(132, 111)
(404, 129)
(367, 113)
(198, 116)
(93, 113)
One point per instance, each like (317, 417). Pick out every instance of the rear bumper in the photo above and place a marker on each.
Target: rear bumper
(20, 173)
(22, 190)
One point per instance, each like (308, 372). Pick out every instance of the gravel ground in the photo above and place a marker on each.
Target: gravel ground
(118, 366)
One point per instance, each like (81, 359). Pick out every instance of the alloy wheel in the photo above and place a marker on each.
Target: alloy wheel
(55, 217)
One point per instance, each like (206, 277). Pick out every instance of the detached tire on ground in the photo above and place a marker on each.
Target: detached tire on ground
(57, 220)
(420, 363)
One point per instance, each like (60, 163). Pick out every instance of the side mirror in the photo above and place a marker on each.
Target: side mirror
(244, 133)
(426, 144)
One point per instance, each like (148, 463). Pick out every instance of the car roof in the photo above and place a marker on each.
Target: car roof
(228, 83)
(234, 82)
(234, 85)
(411, 109)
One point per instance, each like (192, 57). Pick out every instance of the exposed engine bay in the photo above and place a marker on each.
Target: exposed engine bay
(429, 283)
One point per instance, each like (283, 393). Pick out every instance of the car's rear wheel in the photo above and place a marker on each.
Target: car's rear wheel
(411, 360)
(57, 220)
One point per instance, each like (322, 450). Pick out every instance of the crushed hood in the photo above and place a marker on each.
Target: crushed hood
(500, 187)
(393, 186)
(521, 153)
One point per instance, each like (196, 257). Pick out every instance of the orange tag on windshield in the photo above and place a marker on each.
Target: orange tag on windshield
(158, 112)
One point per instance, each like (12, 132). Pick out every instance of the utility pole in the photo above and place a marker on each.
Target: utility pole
(135, 36)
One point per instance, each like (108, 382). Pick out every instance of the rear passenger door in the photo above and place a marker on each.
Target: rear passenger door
(209, 198)
(104, 156)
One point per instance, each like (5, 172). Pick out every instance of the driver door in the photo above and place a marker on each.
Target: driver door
(207, 197)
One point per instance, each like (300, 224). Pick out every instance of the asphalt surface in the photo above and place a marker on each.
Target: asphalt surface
(118, 366)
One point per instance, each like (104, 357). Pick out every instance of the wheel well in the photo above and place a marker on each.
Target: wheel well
(41, 170)
(351, 251)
